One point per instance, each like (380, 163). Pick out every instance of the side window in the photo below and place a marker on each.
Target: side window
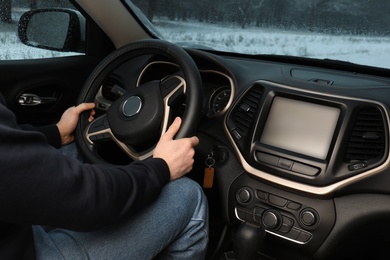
(34, 29)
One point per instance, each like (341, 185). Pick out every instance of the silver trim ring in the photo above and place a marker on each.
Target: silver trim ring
(132, 106)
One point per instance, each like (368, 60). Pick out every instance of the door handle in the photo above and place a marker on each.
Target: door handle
(29, 99)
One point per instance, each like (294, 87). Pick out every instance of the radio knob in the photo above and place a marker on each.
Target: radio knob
(271, 219)
(309, 217)
(244, 196)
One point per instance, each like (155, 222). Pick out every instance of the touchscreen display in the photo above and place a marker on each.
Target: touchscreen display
(301, 127)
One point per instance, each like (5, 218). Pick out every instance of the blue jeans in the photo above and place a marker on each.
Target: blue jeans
(175, 226)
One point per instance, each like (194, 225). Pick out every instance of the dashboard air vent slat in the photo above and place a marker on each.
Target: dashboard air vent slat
(246, 109)
(367, 140)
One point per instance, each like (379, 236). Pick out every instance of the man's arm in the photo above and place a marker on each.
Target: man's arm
(51, 133)
(61, 133)
(39, 185)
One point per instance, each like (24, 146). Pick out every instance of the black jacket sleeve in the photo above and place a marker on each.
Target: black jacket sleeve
(51, 133)
(39, 185)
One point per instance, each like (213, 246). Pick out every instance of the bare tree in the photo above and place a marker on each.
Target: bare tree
(151, 9)
(33, 4)
(5, 11)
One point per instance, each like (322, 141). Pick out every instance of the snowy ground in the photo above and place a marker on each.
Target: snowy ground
(373, 51)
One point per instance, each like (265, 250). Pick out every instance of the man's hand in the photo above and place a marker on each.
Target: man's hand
(69, 119)
(178, 154)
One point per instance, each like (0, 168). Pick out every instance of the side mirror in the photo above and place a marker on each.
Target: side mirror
(53, 29)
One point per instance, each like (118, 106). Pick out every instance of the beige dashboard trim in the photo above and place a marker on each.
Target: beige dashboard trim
(232, 88)
(316, 190)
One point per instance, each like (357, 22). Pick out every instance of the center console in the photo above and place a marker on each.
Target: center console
(287, 216)
(297, 148)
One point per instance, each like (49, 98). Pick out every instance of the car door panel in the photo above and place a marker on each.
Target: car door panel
(57, 80)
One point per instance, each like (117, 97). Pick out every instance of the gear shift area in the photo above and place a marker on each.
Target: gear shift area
(248, 239)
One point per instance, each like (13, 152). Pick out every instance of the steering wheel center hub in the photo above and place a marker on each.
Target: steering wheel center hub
(137, 115)
(132, 106)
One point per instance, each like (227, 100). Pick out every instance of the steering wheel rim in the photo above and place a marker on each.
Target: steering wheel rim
(192, 85)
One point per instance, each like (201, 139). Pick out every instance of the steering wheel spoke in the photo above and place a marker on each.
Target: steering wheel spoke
(132, 153)
(172, 86)
(98, 130)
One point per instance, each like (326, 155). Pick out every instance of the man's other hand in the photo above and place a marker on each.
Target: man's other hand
(179, 153)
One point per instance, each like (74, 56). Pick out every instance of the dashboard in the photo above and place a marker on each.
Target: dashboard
(306, 156)
(297, 148)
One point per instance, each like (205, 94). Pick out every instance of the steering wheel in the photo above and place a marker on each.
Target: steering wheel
(141, 111)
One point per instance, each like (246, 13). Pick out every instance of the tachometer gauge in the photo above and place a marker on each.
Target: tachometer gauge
(219, 101)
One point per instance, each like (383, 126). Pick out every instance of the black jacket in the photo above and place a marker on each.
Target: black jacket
(40, 186)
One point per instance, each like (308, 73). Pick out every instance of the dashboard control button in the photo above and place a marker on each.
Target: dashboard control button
(308, 217)
(267, 158)
(244, 214)
(258, 213)
(236, 134)
(294, 233)
(278, 201)
(287, 224)
(357, 166)
(244, 196)
(245, 107)
(304, 169)
(304, 236)
(262, 195)
(293, 205)
(285, 164)
(271, 219)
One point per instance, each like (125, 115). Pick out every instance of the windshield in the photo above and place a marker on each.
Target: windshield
(354, 31)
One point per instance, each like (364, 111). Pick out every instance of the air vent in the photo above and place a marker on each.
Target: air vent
(367, 141)
(245, 111)
(107, 87)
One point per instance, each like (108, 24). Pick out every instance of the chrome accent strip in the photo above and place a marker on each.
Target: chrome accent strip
(289, 239)
(323, 190)
(275, 234)
(232, 90)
